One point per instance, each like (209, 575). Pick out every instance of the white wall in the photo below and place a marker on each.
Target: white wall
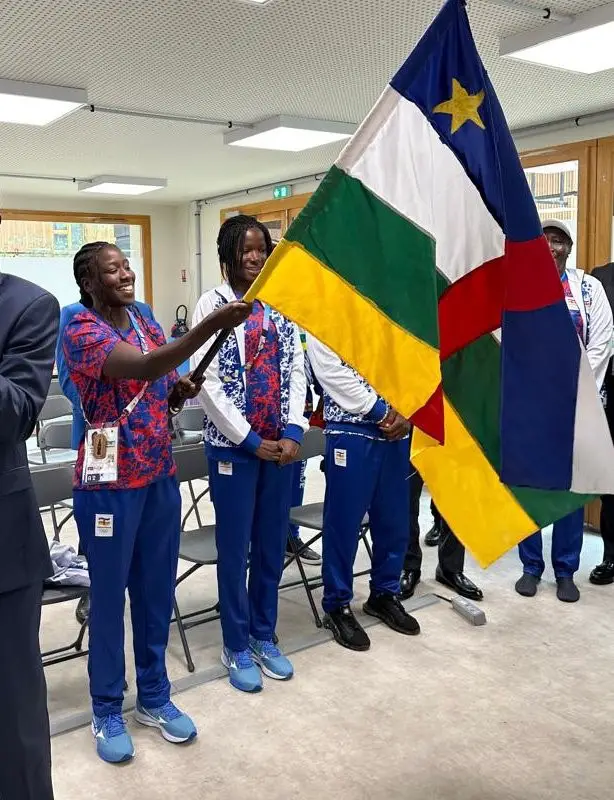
(172, 241)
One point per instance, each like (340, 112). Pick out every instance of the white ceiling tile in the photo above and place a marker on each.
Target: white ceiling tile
(229, 60)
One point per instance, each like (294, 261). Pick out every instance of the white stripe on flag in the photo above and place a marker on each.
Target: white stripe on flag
(399, 157)
(593, 452)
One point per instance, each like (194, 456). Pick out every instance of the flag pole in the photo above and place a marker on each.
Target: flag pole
(250, 296)
(203, 364)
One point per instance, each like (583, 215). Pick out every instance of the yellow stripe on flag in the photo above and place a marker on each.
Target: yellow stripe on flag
(405, 369)
(467, 491)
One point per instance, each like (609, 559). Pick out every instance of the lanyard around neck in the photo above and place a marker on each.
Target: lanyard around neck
(139, 396)
(137, 329)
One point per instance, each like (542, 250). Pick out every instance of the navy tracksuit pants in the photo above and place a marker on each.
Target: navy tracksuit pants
(252, 500)
(364, 474)
(141, 555)
(567, 537)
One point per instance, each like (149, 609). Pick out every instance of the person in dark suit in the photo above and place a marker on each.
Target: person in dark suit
(604, 572)
(28, 331)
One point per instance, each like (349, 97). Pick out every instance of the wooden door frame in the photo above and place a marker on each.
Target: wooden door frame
(604, 209)
(287, 204)
(142, 220)
(585, 153)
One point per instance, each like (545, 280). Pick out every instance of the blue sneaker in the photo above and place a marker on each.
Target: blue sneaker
(242, 671)
(175, 726)
(113, 742)
(271, 660)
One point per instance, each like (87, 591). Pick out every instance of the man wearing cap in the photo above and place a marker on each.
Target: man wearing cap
(592, 316)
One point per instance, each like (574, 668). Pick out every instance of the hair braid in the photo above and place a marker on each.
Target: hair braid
(84, 260)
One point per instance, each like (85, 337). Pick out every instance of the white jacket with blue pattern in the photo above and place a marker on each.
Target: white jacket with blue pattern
(223, 393)
(596, 314)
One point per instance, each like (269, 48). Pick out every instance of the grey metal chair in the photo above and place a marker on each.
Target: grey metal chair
(187, 431)
(188, 426)
(56, 436)
(55, 388)
(55, 441)
(196, 546)
(191, 418)
(52, 486)
(311, 517)
(54, 408)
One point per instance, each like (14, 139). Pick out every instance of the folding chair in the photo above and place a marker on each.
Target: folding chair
(55, 407)
(187, 431)
(57, 435)
(196, 546)
(52, 486)
(311, 516)
(54, 388)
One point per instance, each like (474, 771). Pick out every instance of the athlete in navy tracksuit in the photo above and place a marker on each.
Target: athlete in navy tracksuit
(253, 397)
(367, 467)
(126, 500)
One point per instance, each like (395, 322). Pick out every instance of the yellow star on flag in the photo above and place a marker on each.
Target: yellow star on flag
(462, 106)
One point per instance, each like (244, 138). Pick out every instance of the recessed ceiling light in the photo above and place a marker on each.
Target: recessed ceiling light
(582, 45)
(36, 103)
(289, 133)
(114, 184)
(256, 2)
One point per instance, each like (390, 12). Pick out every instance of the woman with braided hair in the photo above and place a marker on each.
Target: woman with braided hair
(253, 397)
(127, 503)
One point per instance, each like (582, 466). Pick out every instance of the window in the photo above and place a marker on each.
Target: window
(40, 245)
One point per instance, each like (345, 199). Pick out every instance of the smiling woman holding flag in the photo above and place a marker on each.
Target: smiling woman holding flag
(254, 398)
(126, 499)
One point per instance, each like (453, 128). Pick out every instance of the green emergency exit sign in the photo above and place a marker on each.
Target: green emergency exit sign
(281, 192)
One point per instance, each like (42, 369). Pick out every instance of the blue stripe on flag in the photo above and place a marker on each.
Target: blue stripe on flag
(540, 364)
(488, 155)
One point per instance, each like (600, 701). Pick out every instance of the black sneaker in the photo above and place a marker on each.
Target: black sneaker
(295, 544)
(346, 629)
(388, 608)
(83, 609)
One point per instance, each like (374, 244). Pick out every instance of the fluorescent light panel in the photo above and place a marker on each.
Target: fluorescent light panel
(36, 103)
(114, 184)
(289, 133)
(582, 45)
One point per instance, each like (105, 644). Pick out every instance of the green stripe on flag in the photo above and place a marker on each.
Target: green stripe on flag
(472, 380)
(386, 258)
